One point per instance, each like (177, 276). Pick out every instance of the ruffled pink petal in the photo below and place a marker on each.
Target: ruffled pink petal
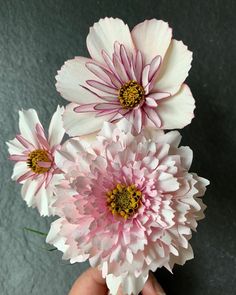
(103, 35)
(152, 38)
(175, 68)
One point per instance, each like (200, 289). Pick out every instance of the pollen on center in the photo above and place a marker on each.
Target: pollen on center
(124, 200)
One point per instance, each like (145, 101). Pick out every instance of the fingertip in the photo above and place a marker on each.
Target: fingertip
(89, 283)
(152, 287)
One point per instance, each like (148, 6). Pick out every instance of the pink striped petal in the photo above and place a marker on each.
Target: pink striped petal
(153, 116)
(102, 87)
(85, 108)
(145, 75)
(18, 158)
(105, 112)
(107, 106)
(40, 183)
(114, 79)
(138, 120)
(120, 70)
(44, 164)
(25, 176)
(43, 142)
(25, 142)
(48, 179)
(154, 67)
(159, 95)
(99, 72)
(138, 66)
(125, 60)
(109, 98)
(150, 102)
(39, 129)
(108, 61)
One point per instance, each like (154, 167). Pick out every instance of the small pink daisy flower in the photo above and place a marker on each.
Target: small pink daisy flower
(138, 75)
(127, 204)
(34, 154)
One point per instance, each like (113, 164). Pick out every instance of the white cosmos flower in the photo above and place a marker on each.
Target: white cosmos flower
(34, 153)
(136, 74)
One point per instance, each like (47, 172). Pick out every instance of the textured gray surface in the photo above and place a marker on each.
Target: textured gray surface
(36, 37)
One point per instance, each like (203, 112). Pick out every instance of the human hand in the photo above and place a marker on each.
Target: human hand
(92, 283)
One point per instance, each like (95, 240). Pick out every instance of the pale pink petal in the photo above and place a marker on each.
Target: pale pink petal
(104, 34)
(42, 201)
(28, 192)
(107, 106)
(138, 119)
(153, 116)
(175, 68)
(56, 130)
(18, 158)
(102, 87)
(27, 124)
(159, 95)
(150, 102)
(25, 176)
(70, 79)
(77, 124)
(152, 38)
(20, 168)
(100, 72)
(177, 111)
(15, 147)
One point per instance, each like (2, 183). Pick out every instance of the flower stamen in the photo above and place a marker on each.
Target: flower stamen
(131, 94)
(34, 158)
(124, 200)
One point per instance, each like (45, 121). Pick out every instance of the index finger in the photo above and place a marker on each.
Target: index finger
(89, 283)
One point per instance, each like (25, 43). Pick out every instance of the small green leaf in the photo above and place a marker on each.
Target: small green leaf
(35, 231)
(49, 249)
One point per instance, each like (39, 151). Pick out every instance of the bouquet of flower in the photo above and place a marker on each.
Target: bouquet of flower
(120, 186)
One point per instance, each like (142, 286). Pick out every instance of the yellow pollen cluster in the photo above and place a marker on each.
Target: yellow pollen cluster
(124, 200)
(35, 157)
(131, 94)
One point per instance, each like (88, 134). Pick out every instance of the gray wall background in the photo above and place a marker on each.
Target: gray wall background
(36, 37)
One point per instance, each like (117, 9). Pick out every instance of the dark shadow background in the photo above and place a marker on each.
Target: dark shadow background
(36, 37)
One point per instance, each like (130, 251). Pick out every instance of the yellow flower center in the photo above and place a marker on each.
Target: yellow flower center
(131, 94)
(124, 200)
(35, 157)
